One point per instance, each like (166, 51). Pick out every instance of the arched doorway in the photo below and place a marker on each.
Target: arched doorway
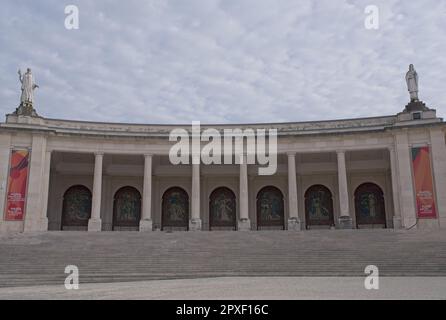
(270, 209)
(76, 208)
(175, 210)
(318, 206)
(222, 209)
(369, 205)
(126, 209)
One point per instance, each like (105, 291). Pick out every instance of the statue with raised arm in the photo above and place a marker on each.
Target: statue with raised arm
(28, 87)
(412, 83)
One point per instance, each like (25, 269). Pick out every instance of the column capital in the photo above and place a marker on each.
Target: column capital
(391, 147)
(341, 151)
(436, 129)
(148, 155)
(436, 132)
(291, 153)
(99, 153)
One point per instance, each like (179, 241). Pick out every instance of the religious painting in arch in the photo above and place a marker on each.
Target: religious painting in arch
(76, 208)
(222, 209)
(369, 205)
(175, 210)
(270, 208)
(127, 209)
(318, 206)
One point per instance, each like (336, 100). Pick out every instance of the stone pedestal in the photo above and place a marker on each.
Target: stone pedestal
(345, 222)
(26, 109)
(145, 225)
(244, 225)
(195, 224)
(94, 225)
(416, 105)
(294, 224)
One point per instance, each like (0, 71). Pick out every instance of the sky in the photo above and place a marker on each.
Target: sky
(222, 61)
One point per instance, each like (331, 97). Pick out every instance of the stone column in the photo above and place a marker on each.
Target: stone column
(95, 223)
(404, 170)
(438, 147)
(293, 220)
(5, 154)
(36, 178)
(146, 217)
(195, 221)
(45, 191)
(244, 224)
(397, 223)
(345, 220)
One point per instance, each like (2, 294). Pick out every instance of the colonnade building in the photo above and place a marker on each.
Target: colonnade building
(379, 172)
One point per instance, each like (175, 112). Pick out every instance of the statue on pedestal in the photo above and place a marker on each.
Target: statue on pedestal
(412, 83)
(28, 87)
(412, 86)
(27, 98)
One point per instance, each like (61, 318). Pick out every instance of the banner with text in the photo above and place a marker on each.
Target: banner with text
(424, 189)
(17, 183)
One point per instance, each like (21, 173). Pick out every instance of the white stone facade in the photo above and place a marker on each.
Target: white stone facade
(339, 155)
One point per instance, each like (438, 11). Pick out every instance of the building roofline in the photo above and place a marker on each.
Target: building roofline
(215, 124)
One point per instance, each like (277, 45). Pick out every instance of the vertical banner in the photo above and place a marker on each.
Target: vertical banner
(424, 190)
(17, 184)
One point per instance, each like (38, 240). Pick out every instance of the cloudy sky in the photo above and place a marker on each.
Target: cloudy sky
(222, 61)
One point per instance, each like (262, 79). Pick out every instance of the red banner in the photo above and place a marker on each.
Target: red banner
(424, 189)
(17, 184)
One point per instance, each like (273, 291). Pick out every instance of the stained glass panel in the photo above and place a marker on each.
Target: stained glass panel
(175, 208)
(369, 204)
(318, 206)
(76, 209)
(222, 208)
(127, 207)
(270, 209)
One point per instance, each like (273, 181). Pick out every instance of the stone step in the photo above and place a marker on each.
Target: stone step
(32, 259)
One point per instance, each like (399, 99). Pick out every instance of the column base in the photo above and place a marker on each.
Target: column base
(442, 222)
(244, 225)
(43, 223)
(345, 222)
(397, 223)
(145, 225)
(94, 225)
(36, 225)
(195, 225)
(294, 224)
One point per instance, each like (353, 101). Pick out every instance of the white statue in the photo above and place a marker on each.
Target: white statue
(28, 87)
(412, 83)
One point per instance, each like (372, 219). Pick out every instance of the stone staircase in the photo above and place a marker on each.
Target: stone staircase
(37, 259)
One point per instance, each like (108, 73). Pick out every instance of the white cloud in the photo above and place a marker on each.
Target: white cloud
(222, 61)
